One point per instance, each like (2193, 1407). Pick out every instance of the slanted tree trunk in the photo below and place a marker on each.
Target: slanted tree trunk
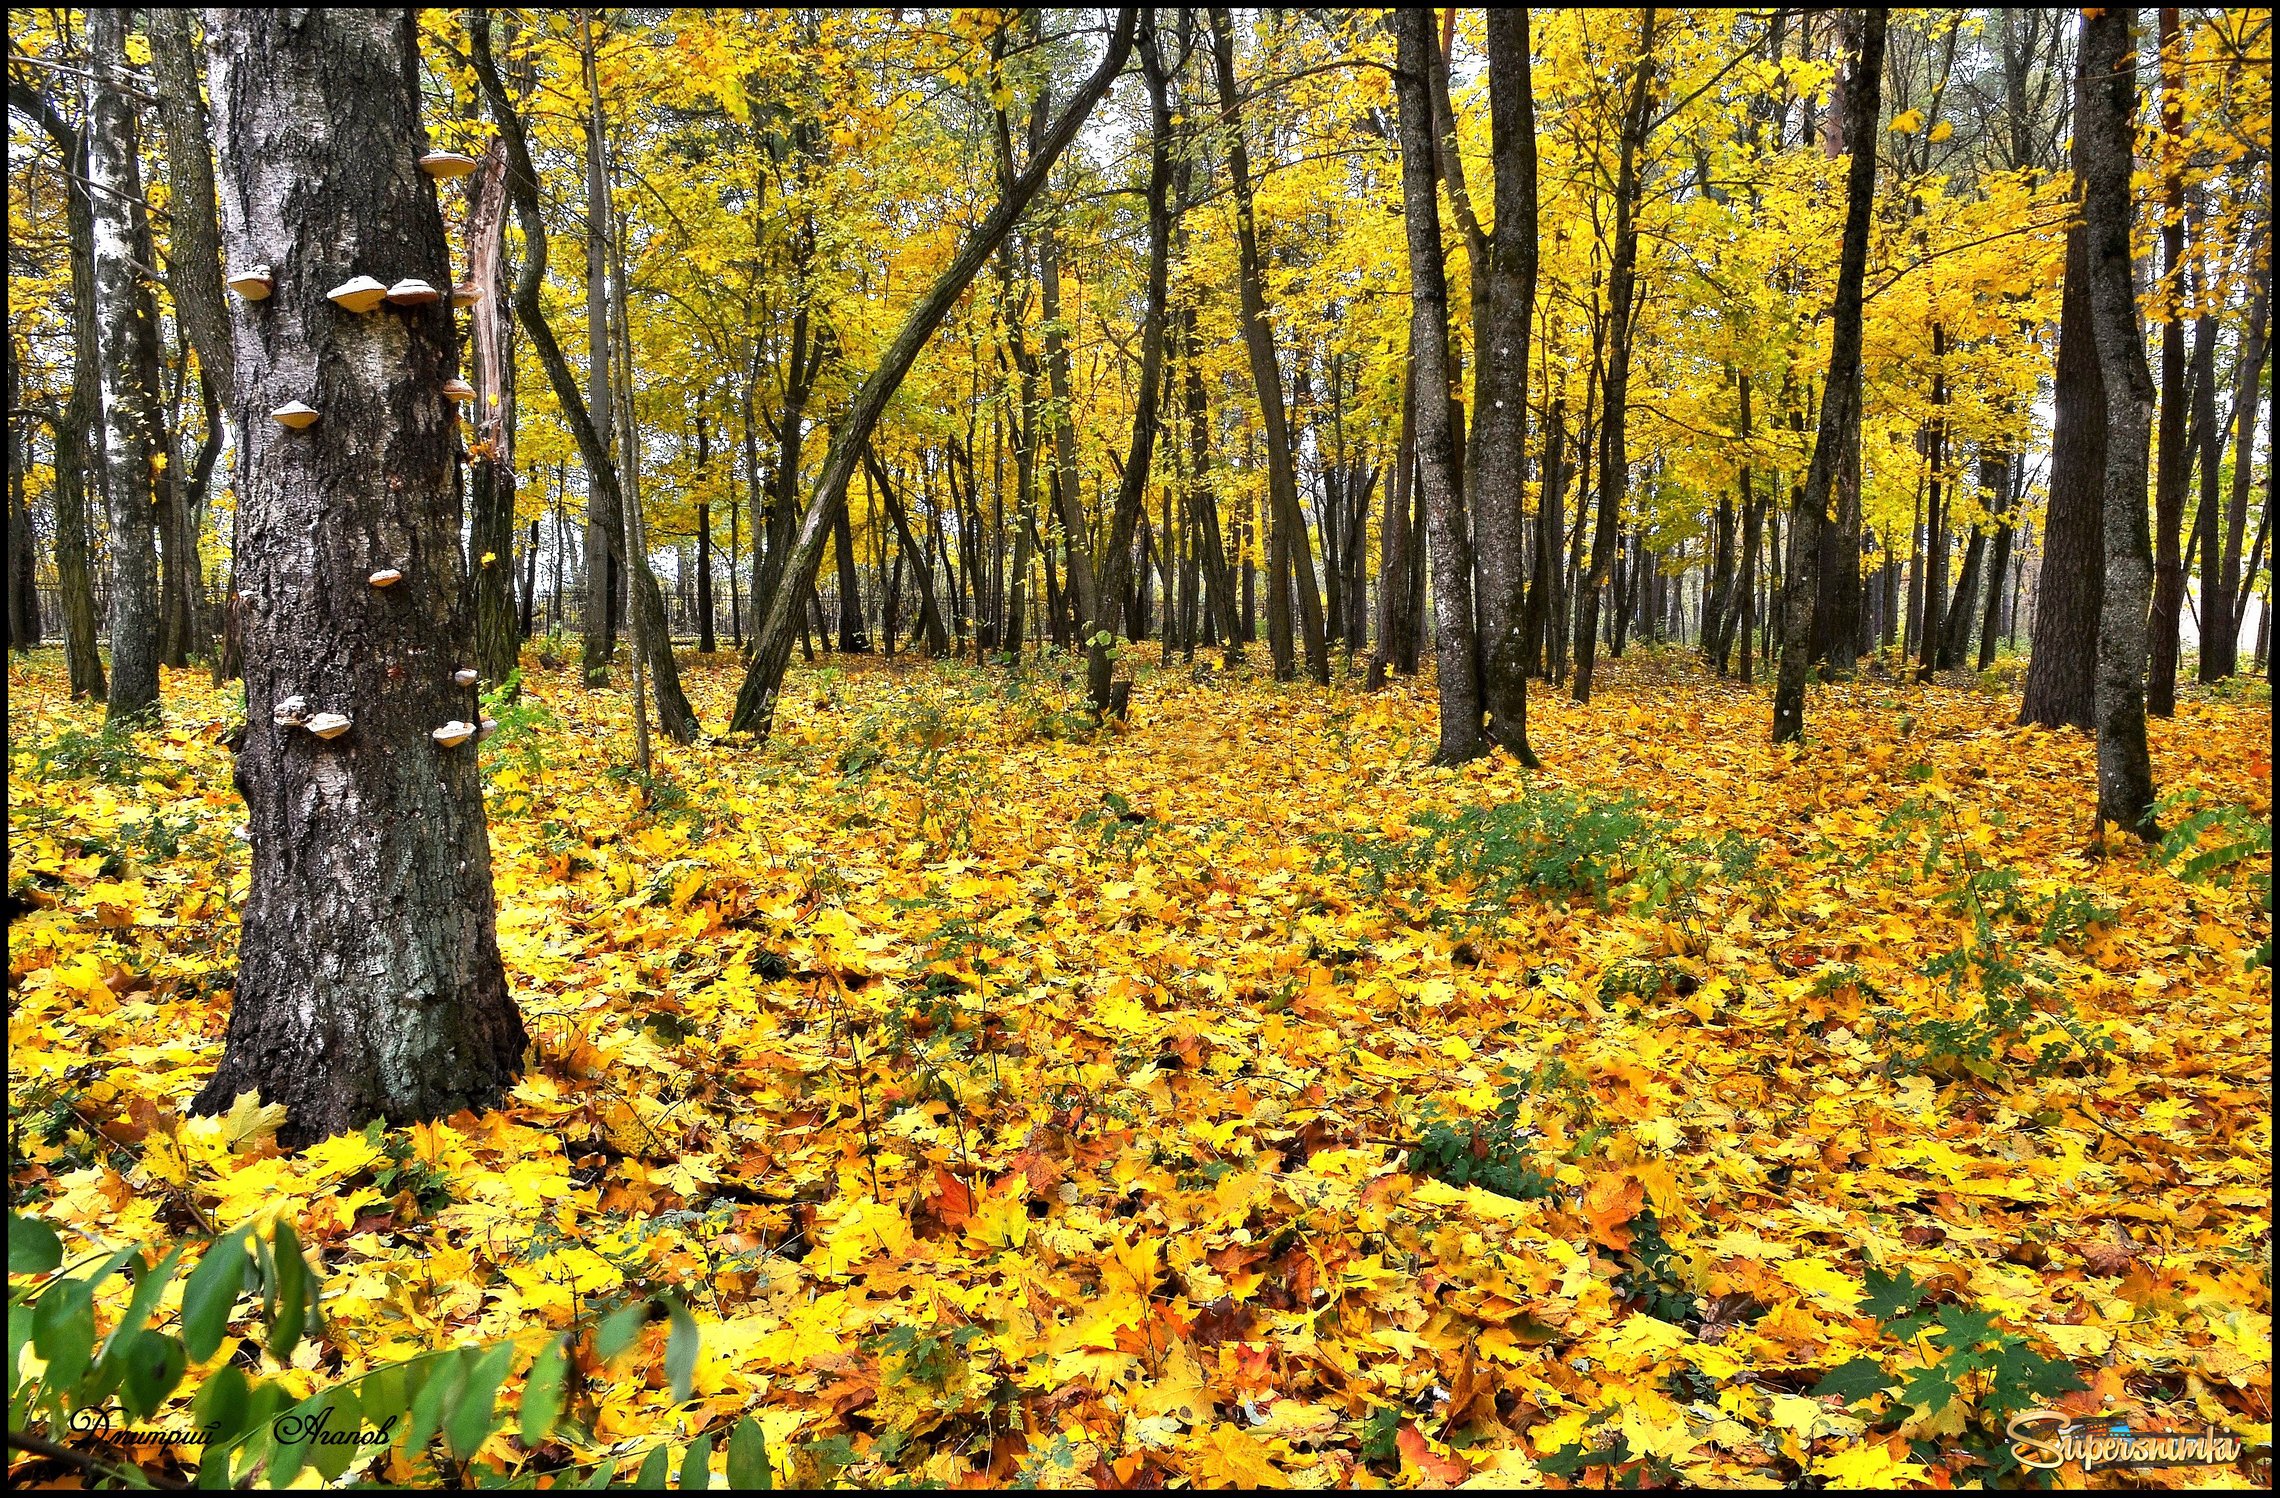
(128, 316)
(1840, 393)
(1457, 680)
(1614, 458)
(1297, 569)
(369, 984)
(756, 698)
(2103, 141)
(2000, 565)
(2070, 590)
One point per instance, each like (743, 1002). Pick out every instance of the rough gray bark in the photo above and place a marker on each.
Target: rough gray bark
(1499, 466)
(1266, 378)
(1840, 393)
(128, 316)
(2069, 594)
(1456, 677)
(2103, 142)
(772, 648)
(369, 984)
(1614, 460)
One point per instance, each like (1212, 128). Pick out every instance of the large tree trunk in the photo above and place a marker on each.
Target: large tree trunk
(1459, 686)
(1840, 393)
(128, 316)
(369, 984)
(2103, 141)
(1266, 376)
(1614, 458)
(2071, 588)
(1499, 468)
(673, 712)
(756, 698)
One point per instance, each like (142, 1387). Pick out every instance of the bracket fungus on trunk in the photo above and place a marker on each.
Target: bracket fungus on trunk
(328, 725)
(447, 164)
(466, 676)
(291, 713)
(385, 577)
(253, 283)
(412, 292)
(466, 294)
(451, 735)
(459, 390)
(361, 294)
(295, 415)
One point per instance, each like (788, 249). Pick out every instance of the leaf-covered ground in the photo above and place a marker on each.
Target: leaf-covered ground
(1238, 1099)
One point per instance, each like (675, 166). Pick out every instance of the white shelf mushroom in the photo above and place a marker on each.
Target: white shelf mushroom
(466, 294)
(490, 725)
(359, 295)
(459, 390)
(290, 713)
(385, 577)
(447, 164)
(412, 292)
(295, 415)
(451, 735)
(252, 283)
(328, 725)
(466, 676)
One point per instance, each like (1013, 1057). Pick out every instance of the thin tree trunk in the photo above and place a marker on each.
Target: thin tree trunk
(1289, 535)
(1461, 736)
(2103, 144)
(2172, 464)
(673, 712)
(1614, 459)
(1840, 393)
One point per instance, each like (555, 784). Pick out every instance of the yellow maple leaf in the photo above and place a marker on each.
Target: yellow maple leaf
(1227, 1457)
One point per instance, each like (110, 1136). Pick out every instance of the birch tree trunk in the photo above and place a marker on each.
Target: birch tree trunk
(127, 317)
(369, 984)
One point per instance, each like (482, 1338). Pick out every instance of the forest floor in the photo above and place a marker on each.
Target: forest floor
(1236, 1098)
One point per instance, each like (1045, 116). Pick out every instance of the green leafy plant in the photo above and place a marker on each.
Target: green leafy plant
(439, 1406)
